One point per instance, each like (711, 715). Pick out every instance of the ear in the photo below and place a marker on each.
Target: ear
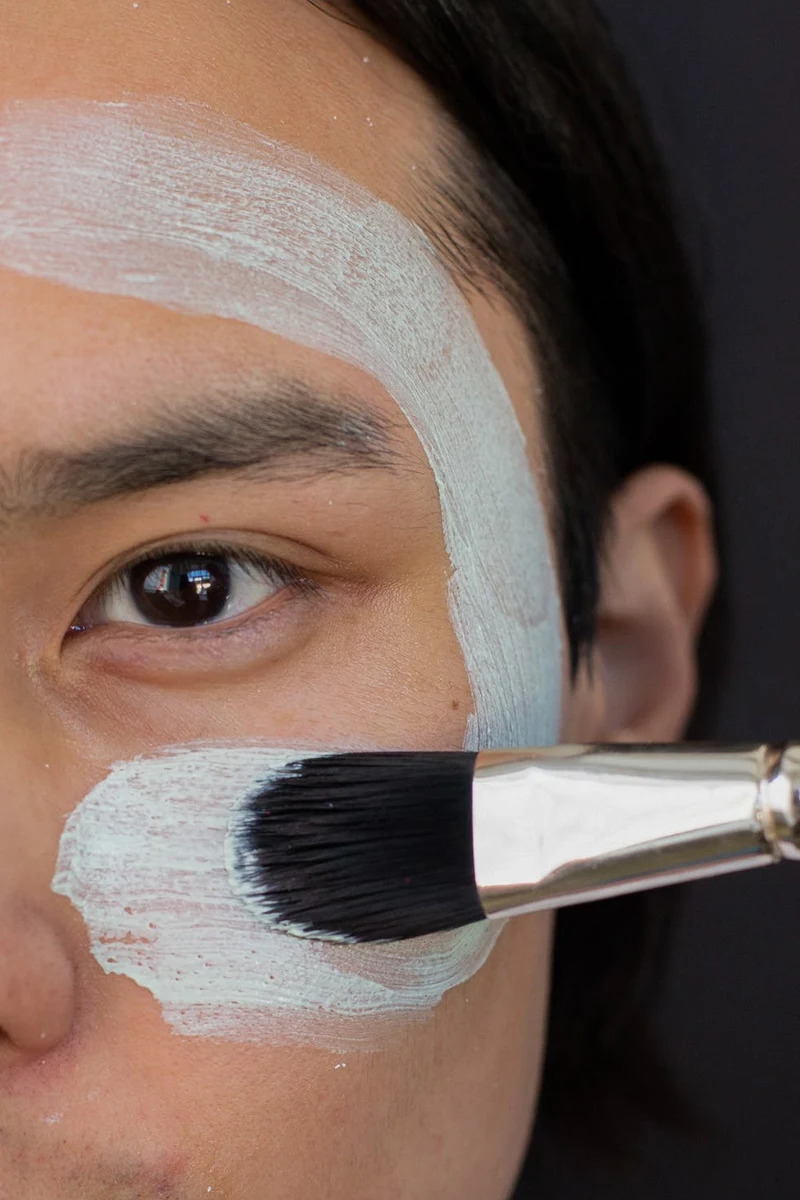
(658, 574)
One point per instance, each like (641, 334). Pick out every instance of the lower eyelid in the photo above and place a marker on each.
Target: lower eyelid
(254, 640)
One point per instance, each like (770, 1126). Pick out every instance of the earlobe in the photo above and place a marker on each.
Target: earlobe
(658, 574)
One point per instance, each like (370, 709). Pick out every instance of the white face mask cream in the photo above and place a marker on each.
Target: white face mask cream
(174, 204)
(143, 858)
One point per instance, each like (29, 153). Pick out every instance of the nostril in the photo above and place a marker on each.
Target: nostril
(37, 983)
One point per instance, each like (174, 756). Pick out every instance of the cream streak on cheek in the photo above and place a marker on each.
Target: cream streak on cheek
(143, 860)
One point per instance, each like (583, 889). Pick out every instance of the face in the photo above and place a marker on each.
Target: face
(238, 513)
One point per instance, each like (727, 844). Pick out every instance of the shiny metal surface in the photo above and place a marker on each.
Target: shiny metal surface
(573, 823)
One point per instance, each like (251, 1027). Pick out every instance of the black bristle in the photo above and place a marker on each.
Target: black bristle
(361, 847)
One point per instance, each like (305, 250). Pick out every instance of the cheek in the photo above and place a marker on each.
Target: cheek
(444, 1108)
(142, 858)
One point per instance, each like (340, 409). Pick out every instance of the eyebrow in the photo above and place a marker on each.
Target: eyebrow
(284, 430)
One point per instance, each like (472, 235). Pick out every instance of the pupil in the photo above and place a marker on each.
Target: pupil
(180, 591)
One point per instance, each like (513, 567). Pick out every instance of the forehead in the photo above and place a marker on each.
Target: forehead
(290, 68)
(77, 367)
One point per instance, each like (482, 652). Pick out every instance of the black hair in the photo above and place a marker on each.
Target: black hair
(555, 191)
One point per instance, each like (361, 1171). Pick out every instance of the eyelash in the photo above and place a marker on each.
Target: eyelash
(241, 556)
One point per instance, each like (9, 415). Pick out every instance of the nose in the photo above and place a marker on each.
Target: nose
(37, 983)
(37, 986)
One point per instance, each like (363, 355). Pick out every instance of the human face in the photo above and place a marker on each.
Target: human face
(352, 645)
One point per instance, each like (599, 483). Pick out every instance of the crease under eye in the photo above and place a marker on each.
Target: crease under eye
(183, 587)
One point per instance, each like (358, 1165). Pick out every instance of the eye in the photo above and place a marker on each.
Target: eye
(186, 587)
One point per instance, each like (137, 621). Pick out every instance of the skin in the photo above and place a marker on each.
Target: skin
(97, 1096)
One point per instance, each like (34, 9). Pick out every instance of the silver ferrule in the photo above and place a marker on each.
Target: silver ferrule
(574, 823)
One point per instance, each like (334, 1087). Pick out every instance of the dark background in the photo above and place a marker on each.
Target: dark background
(722, 79)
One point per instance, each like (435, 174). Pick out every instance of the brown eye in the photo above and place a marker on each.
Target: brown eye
(184, 589)
(180, 591)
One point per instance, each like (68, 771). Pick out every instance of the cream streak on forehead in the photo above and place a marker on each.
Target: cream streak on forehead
(143, 859)
(174, 204)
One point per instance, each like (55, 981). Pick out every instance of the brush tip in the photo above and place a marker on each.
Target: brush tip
(359, 847)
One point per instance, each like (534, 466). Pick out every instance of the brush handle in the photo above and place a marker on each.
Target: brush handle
(573, 823)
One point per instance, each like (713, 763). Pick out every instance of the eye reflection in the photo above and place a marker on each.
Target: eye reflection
(182, 592)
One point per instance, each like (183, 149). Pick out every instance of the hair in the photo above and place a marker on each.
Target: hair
(554, 190)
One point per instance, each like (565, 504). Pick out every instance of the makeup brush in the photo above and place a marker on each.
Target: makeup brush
(385, 846)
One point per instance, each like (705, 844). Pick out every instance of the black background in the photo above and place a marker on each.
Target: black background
(722, 79)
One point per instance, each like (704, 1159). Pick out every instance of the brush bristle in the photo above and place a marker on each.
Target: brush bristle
(360, 847)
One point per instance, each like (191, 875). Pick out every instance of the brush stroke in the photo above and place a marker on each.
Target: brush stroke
(142, 858)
